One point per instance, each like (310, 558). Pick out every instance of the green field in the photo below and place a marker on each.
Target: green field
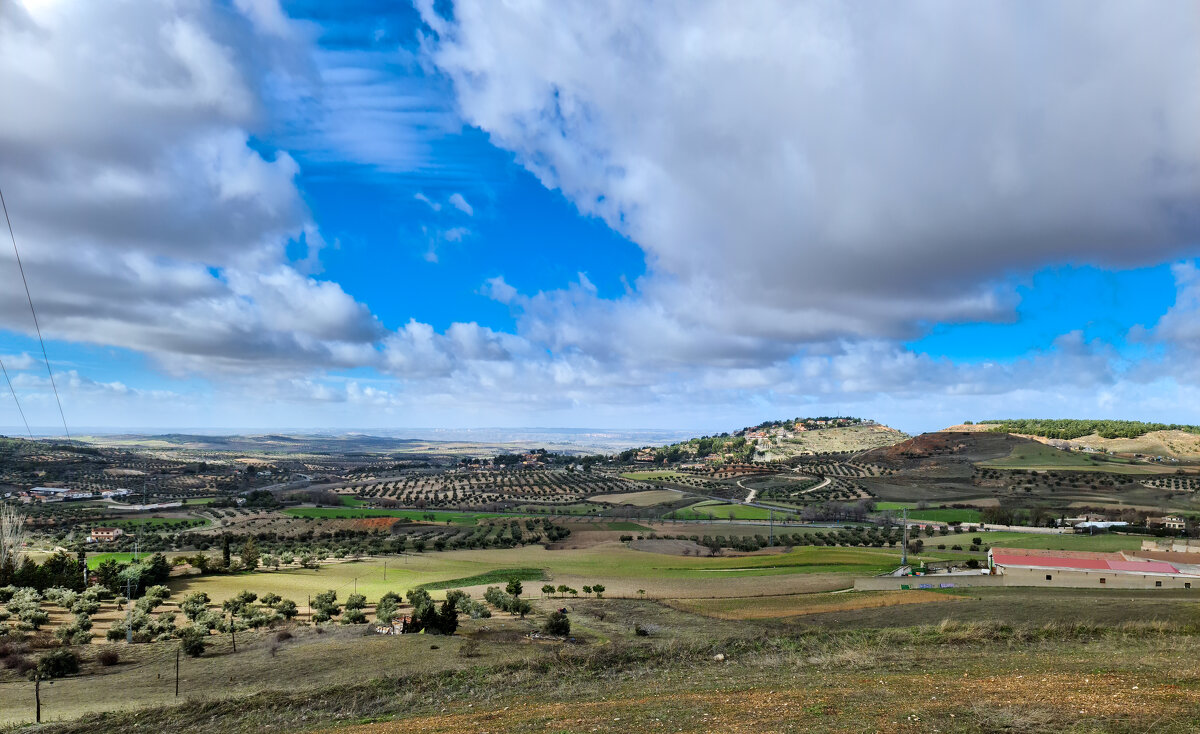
(1047, 458)
(500, 576)
(718, 510)
(633, 526)
(933, 515)
(467, 519)
(624, 571)
(94, 561)
(1107, 542)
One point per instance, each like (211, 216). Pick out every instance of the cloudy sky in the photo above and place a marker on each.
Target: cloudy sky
(361, 214)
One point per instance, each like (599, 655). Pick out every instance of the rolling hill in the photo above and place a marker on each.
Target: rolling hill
(1125, 439)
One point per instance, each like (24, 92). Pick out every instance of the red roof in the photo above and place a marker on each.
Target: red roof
(1095, 564)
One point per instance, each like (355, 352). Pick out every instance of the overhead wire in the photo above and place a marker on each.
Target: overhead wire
(37, 327)
(15, 400)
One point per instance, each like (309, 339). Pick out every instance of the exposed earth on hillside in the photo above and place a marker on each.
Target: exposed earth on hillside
(835, 440)
(1176, 444)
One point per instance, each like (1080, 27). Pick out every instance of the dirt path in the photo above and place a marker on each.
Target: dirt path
(824, 483)
(751, 493)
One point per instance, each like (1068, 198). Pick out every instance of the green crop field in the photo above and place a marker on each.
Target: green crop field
(633, 526)
(933, 515)
(717, 510)
(1107, 542)
(96, 559)
(623, 570)
(500, 576)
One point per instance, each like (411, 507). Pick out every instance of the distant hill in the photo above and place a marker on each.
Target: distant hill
(1131, 439)
(780, 439)
(951, 445)
(1070, 428)
(836, 440)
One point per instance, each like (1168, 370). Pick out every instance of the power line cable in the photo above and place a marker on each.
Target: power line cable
(18, 402)
(36, 326)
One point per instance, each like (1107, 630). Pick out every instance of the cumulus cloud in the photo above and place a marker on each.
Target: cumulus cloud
(460, 203)
(809, 184)
(147, 218)
(805, 172)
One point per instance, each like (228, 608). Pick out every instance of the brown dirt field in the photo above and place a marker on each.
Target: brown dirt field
(375, 523)
(794, 605)
(849, 704)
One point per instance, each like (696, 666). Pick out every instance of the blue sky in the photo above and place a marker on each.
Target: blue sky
(370, 215)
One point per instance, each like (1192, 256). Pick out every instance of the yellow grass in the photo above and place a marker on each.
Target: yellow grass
(622, 570)
(638, 499)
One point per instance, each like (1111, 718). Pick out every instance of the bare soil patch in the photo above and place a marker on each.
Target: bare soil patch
(794, 605)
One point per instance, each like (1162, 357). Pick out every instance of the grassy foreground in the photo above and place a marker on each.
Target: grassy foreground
(948, 677)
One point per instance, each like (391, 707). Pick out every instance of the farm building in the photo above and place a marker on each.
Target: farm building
(106, 535)
(1071, 569)
(1021, 567)
(1170, 522)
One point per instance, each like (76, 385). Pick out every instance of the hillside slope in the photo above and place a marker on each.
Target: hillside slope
(834, 440)
(1178, 444)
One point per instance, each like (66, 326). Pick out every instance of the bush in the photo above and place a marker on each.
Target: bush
(58, 664)
(191, 642)
(557, 624)
(108, 657)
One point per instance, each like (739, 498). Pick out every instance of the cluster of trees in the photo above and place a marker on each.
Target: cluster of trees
(1067, 428)
(509, 600)
(562, 590)
(427, 616)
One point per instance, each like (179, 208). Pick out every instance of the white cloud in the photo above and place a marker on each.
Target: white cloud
(458, 202)
(421, 197)
(147, 218)
(801, 173)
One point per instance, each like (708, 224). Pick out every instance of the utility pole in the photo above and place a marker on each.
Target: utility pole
(176, 673)
(904, 546)
(129, 614)
(37, 696)
(233, 631)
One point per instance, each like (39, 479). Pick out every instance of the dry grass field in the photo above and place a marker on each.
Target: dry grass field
(649, 498)
(959, 677)
(794, 605)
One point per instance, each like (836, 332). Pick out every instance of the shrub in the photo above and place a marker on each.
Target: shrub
(469, 649)
(108, 657)
(557, 624)
(191, 642)
(58, 664)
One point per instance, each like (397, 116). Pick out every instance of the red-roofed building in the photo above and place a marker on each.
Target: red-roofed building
(1022, 567)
